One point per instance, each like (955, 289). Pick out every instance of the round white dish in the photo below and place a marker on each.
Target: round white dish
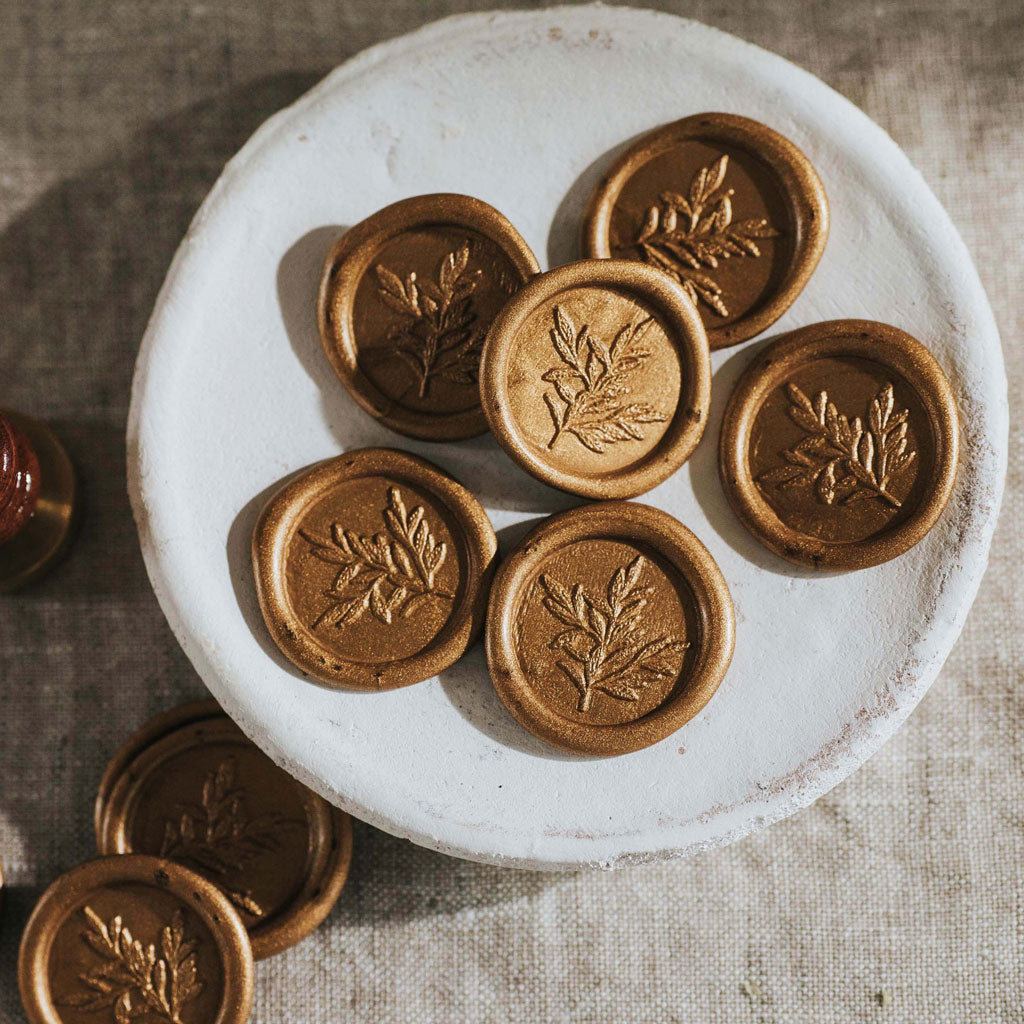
(232, 394)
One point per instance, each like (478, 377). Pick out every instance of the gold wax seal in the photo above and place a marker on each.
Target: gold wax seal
(135, 938)
(145, 736)
(726, 206)
(609, 628)
(839, 444)
(37, 500)
(596, 378)
(372, 569)
(204, 795)
(405, 301)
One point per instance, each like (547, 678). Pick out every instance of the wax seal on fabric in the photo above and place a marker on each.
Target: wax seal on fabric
(144, 737)
(37, 500)
(839, 444)
(372, 569)
(405, 302)
(728, 207)
(596, 378)
(609, 628)
(205, 796)
(135, 938)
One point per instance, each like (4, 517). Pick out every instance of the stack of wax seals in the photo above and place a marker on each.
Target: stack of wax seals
(210, 857)
(610, 625)
(37, 500)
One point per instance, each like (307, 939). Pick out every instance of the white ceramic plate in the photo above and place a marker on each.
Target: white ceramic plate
(232, 393)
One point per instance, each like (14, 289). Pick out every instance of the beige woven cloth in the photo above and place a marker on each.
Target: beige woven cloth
(896, 898)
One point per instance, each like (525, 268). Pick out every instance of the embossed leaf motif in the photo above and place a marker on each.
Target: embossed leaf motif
(136, 981)
(437, 335)
(605, 646)
(219, 837)
(845, 461)
(687, 235)
(389, 574)
(592, 390)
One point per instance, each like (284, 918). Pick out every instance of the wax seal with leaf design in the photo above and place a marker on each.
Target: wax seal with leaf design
(609, 627)
(724, 205)
(405, 301)
(839, 444)
(135, 939)
(202, 794)
(372, 569)
(37, 500)
(596, 378)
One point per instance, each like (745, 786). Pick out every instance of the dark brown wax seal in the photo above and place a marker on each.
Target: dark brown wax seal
(728, 207)
(372, 569)
(405, 302)
(839, 444)
(205, 796)
(37, 500)
(596, 378)
(135, 938)
(609, 627)
(144, 737)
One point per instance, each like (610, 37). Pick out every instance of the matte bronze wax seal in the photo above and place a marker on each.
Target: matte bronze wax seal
(596, 378)
(372, 569)
(609, 627)
(839, 444)
(728, 207)
(405, 302)
(204, 795)
(37, 500)
(135, 938)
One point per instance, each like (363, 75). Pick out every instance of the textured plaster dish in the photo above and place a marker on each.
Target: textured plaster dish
(232, 394)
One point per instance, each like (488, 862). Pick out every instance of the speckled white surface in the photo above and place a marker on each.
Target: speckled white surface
(232, 393)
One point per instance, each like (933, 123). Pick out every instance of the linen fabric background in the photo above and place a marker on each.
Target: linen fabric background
(895, 898)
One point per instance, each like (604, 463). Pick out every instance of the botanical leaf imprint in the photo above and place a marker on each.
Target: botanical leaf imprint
(218, 836)
(391, 573)
(592, 390)
(606, 647)
(684, 234)
(437, 335)
(844, 461)
(138, 982)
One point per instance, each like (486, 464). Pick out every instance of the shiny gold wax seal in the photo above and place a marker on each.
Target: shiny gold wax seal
(204, 795)
(839, 444)
(726, 206)
(405, 302)
(596, 378)
(135, 938)
(609, 627)
(372, 569)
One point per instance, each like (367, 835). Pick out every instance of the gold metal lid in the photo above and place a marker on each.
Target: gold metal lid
(726, 206)
(372, 569)
(129, 938)
(839, 444)
(405, 301)
(609, 628)
(205, 796)
(596, 378)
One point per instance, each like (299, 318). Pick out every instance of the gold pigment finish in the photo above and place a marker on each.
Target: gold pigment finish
(405, 302)
(134, 938)
(596, 378)
(205, 796)
(609, 628)
(724, 205)
(372, 569)
(839, 444)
